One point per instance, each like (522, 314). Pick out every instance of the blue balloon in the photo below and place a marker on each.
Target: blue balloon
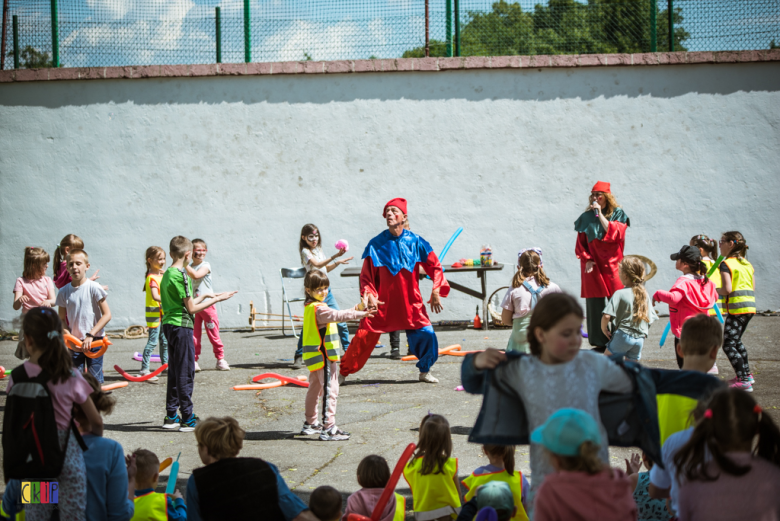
(666, 333)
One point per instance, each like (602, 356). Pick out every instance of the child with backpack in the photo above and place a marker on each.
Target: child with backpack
(38, 444)
(528, 285)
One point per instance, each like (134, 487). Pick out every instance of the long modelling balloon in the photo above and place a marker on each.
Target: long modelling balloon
(170, 488)
(718, 313)
(140, 378)
(666, 333)
(390, 487)
(449, 243)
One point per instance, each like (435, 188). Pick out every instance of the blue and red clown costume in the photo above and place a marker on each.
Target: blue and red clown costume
(390, 267)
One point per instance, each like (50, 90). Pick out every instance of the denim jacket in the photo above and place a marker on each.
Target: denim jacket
(630, 419)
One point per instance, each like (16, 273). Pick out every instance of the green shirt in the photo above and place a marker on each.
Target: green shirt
(621, 306)
(175, 286)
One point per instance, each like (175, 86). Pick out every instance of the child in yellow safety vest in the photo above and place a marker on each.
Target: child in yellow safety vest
(501, 468)
(155, 268)
(151, 505)
(321, 341)
(738, 286)
(373, 473)
(432, 473)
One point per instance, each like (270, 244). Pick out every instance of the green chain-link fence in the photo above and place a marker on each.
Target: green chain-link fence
(144, 32)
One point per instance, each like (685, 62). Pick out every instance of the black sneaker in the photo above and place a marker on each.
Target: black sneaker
(172, 422)
(298, 362)
(189, 425)
(395, 353)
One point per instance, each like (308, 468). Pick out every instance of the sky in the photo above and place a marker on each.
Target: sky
(141, 32)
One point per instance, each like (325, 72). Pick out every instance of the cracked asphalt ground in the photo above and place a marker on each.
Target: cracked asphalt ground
(381, 406)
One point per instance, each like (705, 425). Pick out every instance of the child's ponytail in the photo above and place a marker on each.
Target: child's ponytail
(740, 245)
(633, 270)
(44, 329)
(506, 453)
(71, 241)
(529, 264)
(710, 246)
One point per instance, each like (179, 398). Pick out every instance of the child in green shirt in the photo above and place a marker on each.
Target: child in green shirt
(179, 305)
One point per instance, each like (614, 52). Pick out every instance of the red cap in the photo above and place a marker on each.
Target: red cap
(601, 186)
(399, 202)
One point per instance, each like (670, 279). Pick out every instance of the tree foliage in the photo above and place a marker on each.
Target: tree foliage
(563, 27)
(31, 58)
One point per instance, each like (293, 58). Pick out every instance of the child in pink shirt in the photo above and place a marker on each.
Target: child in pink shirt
(61, 275)
(693, 293)
(581, 487)
(722, 476)
(373, 473)
(321, 354)
(43, 336)
(32, 289)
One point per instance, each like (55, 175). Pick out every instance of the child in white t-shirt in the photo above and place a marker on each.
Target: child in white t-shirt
(529, 284)
(32, 289)
(83, 303)
(200, 271)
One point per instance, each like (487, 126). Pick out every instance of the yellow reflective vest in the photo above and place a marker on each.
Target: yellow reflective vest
(435, 495)
(400, 508)
(515, 482)
(153, 309)
(151, 506)
(312, 356)
(742, 299)
(715, 278)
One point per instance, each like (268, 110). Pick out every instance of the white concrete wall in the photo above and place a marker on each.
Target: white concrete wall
(509, 155)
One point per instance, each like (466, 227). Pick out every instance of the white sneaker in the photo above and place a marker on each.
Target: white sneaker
(714, 370)
(342, 378)
(428, 378)
(222, 365)
(145, 372)
(197, 367)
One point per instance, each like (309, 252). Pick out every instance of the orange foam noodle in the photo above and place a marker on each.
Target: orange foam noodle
(445, 351)
(280, 381)
(103, 343)
(117, 385)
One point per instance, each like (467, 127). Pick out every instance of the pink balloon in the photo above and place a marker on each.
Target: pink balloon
(342, 243)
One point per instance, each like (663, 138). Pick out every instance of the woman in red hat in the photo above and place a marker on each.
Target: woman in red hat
(601, 236)
(388, 283)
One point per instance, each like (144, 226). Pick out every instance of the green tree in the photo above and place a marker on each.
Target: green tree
(31, 58)
(436, 49)
(773, 45)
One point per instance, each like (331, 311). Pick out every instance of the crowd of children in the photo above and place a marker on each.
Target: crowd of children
(715, 444)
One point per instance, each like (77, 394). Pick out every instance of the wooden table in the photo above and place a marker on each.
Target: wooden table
(481, 272)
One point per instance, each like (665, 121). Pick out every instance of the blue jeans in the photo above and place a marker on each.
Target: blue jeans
(95, 365)
(155, 334)
(626, 345)
(330, 300)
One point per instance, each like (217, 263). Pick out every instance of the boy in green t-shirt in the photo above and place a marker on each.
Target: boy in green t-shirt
(178, 308)
(700, 341)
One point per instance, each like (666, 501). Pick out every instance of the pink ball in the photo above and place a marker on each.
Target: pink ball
(342, 243)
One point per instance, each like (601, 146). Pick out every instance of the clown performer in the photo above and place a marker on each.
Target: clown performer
(388, 283)
(601, 237)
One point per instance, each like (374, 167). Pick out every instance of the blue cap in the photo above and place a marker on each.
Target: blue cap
(565, 430)
(496, 494)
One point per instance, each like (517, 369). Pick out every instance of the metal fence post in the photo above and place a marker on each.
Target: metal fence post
(653, 26)
(247, 34)
(448, 28)
(427, 30)
(16, 42)
(457, 27)
(219, 35)
(670, 9)
(55, 35)
(5, 34)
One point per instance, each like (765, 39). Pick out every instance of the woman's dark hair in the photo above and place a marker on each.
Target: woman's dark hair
(550, 310)
(315, 279)
(710, 246)
(505, 452)
(306, 230)
(732, 418)
(44, 329)
(373, 472)
(434, 445)
(740, 245)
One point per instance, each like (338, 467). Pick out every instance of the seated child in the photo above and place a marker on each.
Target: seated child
(501, 468)
(83, 305)
(325, 503)
(631, 310)
(649, 509)
(730, 467)
(582, 486)
(229, 487)
(432, 473)
(498, 496)
(151, 505)
(373, 475)
(700, 340)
